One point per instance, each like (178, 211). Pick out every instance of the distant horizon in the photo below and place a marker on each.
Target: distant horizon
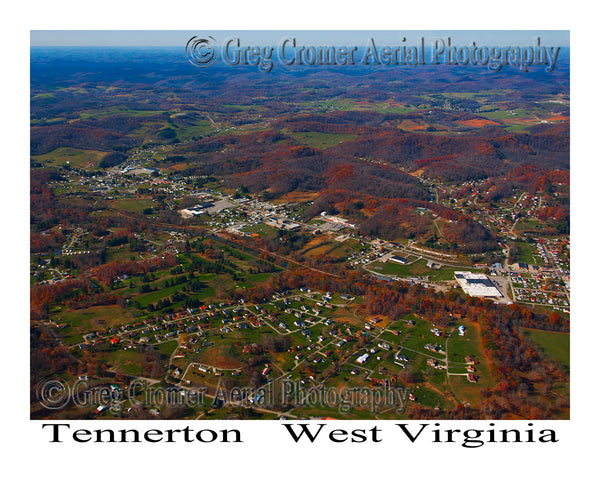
(177, 38)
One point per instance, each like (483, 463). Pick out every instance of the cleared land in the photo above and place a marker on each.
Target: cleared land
(556, 345)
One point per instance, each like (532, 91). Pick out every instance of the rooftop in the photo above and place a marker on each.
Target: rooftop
(477, 284)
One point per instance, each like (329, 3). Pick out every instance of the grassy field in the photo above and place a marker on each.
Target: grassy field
(517, 129)
(554, 344)
(246, 107)
(417, 336)
(529, 225)
(350, 104)
(121, 254)
(458, 348)
(153, 297)
(72, 156)
(117, 110)
(320, 140)
(338, 104)
(222, 355)
(136, 205)
(506, 114)
(129, 362)
(167, 348)
(320, 246)
(87, 320)
(261, 229)
(428, 397)
(253, 279)
(525, 253)
(416, 269)
(187, 131)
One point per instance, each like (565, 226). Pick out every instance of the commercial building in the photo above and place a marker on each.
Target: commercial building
(477, 284)
(339, 220)
(399, 259)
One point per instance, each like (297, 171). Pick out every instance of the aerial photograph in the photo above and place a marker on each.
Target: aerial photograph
(262, 225)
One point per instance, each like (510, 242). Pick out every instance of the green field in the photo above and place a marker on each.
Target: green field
(554, 344)
(253, 279)
(261, 229)
(86, 320)
(350, 104)
(153, 297)
(517, 129)
(458, 348)
(417, 336)
(506, 114)
(529, 225)
(415, 269)
(71, 156)
(43, 96)
(117, 111)
(525, 253)
(246, 107)
(427, 397)
(167, 348)
(320, 140)
(121, 254)
(129, 362)
(331, 248)
(185, 132)
(136, 205)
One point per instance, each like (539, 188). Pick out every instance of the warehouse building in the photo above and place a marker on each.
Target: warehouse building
(399, 259)
(477, 284)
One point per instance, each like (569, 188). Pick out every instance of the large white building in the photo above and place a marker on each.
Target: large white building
(340, 220)
(363, 358)
(477, 284)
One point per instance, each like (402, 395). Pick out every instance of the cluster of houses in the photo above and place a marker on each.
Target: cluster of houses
(470, 361)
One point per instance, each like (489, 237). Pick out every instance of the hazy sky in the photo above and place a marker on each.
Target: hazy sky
(308, 37)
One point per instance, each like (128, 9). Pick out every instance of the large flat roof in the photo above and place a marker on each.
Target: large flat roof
(476, 284)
